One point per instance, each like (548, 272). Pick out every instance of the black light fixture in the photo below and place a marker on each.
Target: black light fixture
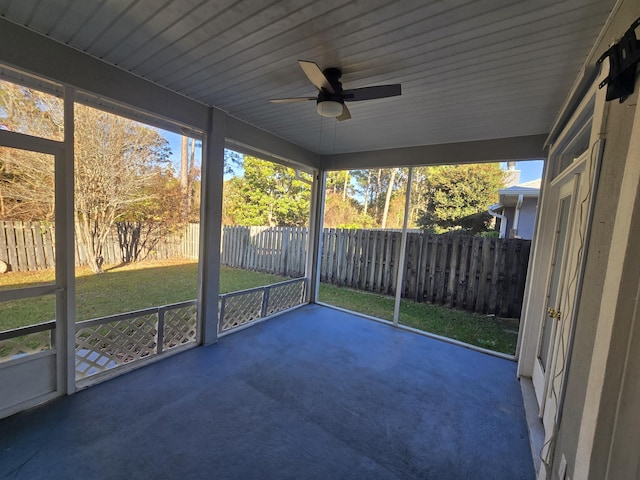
(623, 58)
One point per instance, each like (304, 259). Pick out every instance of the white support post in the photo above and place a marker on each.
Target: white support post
(403, 247)
(210, 227)
(65, 254)
(316, 221)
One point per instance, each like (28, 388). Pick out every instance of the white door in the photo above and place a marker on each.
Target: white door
(30, 301)
(553, 313)
(567, 196)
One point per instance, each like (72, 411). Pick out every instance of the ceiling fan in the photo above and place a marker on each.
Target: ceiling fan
(331, 98)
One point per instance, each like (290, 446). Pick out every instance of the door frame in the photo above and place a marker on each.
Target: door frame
(568, 184)
(63, 288)
(590, 111)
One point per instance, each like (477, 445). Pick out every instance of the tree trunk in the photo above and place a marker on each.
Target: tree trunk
(366, 191)
(346, 183)
(184, 176)
(191, 176)
(377, 193)
(93, 243)
(184, 163)
(387, 200)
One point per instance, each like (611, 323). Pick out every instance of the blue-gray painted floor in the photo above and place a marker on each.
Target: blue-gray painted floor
(312, 394)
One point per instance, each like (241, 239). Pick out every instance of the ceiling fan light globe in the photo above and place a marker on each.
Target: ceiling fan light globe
(330, 108)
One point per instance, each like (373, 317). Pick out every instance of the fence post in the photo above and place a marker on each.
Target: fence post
(160, 334)
(286, 237)
(265, 302)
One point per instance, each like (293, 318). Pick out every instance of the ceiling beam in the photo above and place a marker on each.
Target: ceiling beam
(480, 151)
(251, 140)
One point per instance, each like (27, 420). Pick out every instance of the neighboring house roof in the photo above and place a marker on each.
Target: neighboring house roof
(531, 188)
(509, 196)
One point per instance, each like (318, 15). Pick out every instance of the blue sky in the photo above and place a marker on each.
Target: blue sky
(529, 170)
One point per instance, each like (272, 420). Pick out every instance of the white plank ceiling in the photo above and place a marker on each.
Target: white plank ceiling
(469, 69)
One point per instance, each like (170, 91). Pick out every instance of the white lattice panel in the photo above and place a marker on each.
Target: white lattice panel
(180, 326)
(104, 346)
(241, 309)
(282, 297)
(24, 345)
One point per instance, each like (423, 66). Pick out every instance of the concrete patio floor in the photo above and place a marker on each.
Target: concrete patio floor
(312, 394)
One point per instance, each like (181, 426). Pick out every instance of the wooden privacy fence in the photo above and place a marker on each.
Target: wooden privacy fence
(279, 250)
(484, 275)
(29, 246)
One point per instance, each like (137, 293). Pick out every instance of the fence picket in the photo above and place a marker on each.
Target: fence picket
(463, 274)
(524, 249)
(421, 279)
(4, 254)
(484, 260)
(441, 267)
(20, 247)
(49, 244)
(453, 269)
(29, 245)
(364, 262)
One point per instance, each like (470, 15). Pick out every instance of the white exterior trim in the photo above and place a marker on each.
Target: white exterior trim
(613, 293)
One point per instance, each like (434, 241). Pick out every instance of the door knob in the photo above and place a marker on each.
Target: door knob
(553, 313)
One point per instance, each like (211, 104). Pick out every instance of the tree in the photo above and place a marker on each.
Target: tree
(267, 194)
(189, 175)
(387, 198)
(363, 180)
(232, 162)
(454, 195)
(27, 178)
(395, 215)
(32, 112)
(27, 185)
(115, 159)
(341, 213)
(151, 217)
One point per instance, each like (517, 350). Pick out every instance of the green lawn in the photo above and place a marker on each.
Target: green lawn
(150, 284)
(480, 330)
(119, 290)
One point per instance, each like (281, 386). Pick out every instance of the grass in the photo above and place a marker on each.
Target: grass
(118, 290)
(149, 284)
(480, 330)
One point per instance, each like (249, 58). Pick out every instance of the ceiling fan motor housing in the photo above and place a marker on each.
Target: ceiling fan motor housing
(333, 76)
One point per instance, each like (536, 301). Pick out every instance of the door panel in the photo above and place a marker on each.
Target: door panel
(562, 198)
(40, 369)
(553, 309)
(569, 224)
(29, 289)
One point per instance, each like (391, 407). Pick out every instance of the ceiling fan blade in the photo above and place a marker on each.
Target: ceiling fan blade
(315, 75)
(371, 93)
(292, 100)
(345, 115)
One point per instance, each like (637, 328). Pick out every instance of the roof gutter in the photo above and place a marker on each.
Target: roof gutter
(503, 219)
(516, 219)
